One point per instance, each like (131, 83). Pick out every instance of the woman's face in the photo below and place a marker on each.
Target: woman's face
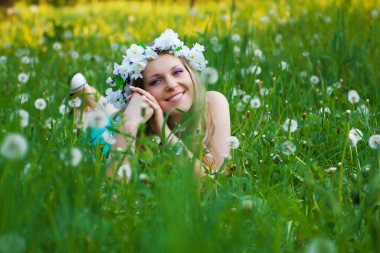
(169, 82)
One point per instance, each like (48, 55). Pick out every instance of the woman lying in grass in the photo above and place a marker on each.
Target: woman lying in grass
(158, 85)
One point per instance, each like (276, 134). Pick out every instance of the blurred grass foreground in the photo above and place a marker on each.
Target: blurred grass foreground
(302, 80)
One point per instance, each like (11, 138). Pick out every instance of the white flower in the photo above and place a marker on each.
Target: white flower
(288, 148)
(374, 13)
(303, 74)
(353, 97)
(329, 90)
(255, 103)
(40, 104)
(374, 141)
(290, 125)
(237, 50)
(284, 65)
(24, 118)
(74, 55)
(324, 111)
(337, 85)
(63, 109)
(278, 38)
(3, 59)
(240, 107)
(363, 109)
(23, 98)
(76, 156)
(97, 119)
(57, 46)
(258, 53)
(355, 135)
(125, 171)
(233, 142)
(255, 69)
(14, 146)
(210, 75)
(75, 102)
(236, 37)
(314, 79)
(246, 98)
(49, 122)
(25, 60)
(264, 92)
(23, 78)
(108, 138)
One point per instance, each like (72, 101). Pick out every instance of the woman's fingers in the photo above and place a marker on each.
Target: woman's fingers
(143, 92)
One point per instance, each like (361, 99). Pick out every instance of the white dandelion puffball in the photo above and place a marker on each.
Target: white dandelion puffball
(374, 141)
(40, 104)
(314, 79)
(355, 135)
(49, 122)
(329, 90)
(125, 171)
(290, 125)
(374, 13)
(288, 148)
(75, 102)
(76, 156)
(324, 111)
(246, 98)
(363, 109)
(97, 119)
(233, 142)
(321, 245)
(108, 138)
(23, 98)
(255, 69)
(284, 66)
(25, 60)
(14, 146)
(210, 75)
(264, 92)
(353, 97)
(24, 118)
(23, 78)
(255, 103)
(63, 109)
(57, 46)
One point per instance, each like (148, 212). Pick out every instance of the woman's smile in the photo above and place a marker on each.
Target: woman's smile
(175, 97)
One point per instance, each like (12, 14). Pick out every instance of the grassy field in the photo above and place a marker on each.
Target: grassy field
(312, 187)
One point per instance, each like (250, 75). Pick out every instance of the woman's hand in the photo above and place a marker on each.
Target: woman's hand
(157, 120)
(138, 110)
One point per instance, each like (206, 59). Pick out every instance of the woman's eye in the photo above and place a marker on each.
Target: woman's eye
(154, 82)
(177, 72)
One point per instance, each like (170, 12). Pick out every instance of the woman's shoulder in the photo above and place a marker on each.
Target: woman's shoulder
(215, 99)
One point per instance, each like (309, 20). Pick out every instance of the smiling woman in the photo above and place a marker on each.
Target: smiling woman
(159, 86)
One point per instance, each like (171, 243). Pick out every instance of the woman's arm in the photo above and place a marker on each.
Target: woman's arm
(220, 113)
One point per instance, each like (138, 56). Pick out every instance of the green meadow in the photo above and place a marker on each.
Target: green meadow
(302, 79)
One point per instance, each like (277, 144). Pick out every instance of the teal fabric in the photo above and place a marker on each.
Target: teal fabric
(95, 136)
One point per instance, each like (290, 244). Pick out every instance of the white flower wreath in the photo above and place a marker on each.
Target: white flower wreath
(137, 58)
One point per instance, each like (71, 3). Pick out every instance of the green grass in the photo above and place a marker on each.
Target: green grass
(270, 203)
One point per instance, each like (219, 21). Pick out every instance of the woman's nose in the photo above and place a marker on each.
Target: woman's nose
(171, 83)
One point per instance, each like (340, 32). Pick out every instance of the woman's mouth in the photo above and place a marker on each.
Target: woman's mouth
(175, 97)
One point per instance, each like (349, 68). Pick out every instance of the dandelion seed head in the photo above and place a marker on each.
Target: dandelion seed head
(255, 103)
(210, 75)
(314, 79)
(233, 142)
(125, 171)
(374, 141)
(25, 60)
(24, 118)
(97, 119)
(57, 46)
(40, 104)
(290, 125)
(76, 156)
(288, 148)
(75, 102)
(14, 146)
(353, 97)
(23, 78)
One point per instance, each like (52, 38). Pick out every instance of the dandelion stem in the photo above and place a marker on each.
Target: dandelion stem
(341, 164)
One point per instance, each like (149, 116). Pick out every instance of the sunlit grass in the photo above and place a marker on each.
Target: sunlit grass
(325, 193)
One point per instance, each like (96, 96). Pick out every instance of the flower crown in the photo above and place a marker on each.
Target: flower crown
(137, 58)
